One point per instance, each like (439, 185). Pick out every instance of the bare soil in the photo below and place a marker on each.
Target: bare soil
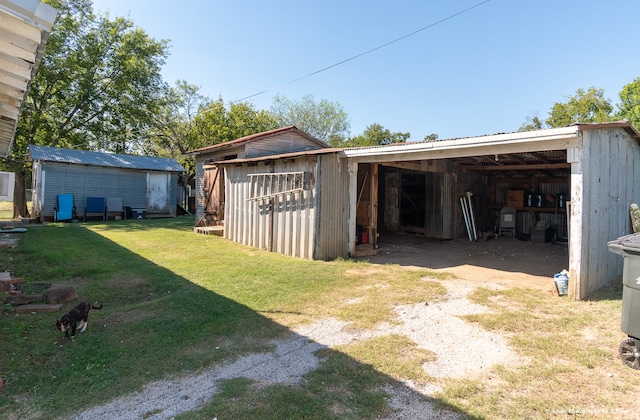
(505, 261)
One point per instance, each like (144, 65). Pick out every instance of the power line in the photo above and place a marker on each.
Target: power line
(368, 51)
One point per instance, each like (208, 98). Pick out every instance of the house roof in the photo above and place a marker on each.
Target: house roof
(111, 160)
(25, 26)
(257, 136)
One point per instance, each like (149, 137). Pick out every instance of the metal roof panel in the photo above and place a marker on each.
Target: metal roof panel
(86, 157)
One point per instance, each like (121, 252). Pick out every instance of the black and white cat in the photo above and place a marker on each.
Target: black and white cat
(77, 317)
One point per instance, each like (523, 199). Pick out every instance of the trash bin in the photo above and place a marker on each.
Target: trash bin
(629, 247)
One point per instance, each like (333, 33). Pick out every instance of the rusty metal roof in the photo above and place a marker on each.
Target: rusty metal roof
(25, 26)
(112, 160)
(257, 136)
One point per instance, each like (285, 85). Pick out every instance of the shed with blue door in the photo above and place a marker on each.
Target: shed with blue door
(146, 183)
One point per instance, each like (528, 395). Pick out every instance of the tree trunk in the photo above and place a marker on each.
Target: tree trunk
(20, 197)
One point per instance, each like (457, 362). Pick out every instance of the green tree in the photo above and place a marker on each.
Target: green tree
(217, 123)
(629, 107)
(582, 108)
(324, 120)
(97, 88)
(175, 131)
(532, 123)
(376, 135)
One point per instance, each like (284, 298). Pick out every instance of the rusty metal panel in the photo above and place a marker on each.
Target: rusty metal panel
(264, 216)
(286, 142)
(439, 212)
(333, 221)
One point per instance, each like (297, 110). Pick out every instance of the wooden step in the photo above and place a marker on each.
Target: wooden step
(209, 230)
(39, 308)
(17, 300)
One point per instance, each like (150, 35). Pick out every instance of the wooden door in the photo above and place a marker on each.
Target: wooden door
(214, 193)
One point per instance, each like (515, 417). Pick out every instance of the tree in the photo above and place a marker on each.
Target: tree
(629, 107)
(376, 135)
(582, 108)
(217, 123)
(175, 130)
(532, 123)
(98, 87)
(324, 120)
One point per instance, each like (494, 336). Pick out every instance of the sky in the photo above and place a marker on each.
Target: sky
(455, 68)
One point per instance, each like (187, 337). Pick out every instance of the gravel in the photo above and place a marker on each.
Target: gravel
(463, 350)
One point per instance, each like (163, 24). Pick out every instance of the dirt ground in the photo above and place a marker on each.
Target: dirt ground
(506, 261)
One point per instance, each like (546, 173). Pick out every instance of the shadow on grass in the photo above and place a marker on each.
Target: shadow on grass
(163, 345)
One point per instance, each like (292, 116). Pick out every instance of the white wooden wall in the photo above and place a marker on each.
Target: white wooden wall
(605, 177)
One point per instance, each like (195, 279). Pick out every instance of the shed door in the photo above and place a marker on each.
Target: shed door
(158, 193)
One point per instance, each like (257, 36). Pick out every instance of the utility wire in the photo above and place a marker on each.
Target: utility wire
(368, 51)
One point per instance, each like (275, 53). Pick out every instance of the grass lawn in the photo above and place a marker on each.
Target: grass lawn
(176, 303)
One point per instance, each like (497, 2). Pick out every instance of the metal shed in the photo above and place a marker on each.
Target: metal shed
(210, 181)
(142, 182)
(596, 165)
(292, 204)
(357, 192)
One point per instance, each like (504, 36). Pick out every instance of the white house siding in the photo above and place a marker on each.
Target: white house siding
(604, 184)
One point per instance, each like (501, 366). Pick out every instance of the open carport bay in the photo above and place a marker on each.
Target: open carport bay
(505, 261)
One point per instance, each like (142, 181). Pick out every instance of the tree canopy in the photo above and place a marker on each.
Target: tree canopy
(591, 106)
(324, 120)
(629, 107)
(584, 107)
(98, 87)
(376, 135)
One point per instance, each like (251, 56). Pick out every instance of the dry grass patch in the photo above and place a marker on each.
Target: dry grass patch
(370, 295)
(573, 367)
(394, 355)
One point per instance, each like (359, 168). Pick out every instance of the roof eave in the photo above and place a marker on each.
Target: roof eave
(29, 23)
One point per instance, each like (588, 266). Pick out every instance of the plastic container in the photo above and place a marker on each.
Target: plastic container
(562, 283)
(629, 247)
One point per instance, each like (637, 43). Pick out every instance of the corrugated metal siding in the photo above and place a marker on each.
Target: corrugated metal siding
(333, 221)
(200, 188)
(610, 173)
(84, 182)
(270, 224)
(291, 223)
(439, 206)
(287, 142)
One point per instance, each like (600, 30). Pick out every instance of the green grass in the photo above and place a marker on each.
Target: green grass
(169, 296)
(176, 303)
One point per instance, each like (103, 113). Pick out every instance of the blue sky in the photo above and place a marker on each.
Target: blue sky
(481, 72)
